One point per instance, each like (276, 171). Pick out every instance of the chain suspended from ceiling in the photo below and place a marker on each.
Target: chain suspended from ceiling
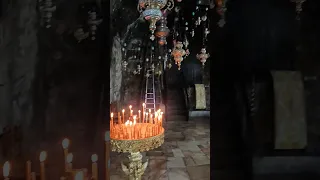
(156, 12)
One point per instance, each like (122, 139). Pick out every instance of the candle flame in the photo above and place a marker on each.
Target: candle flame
(79, 175)
(149, 110)
(134, 117)
(6, 169)
(131, 111)
(127, 123)
(130, 123)
(94, 158)
(65, 143)
(130, 107)
(139, 111)
(111, 115)
(69, 158)
(43, 156)
(122, 110)
(143, 104)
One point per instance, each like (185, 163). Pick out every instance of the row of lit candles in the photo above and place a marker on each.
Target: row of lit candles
(147, 117)
(68, 157)
(136, 128)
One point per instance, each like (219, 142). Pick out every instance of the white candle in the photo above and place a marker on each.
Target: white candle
(94, 159)
(6, 170)
(65, 146)
(139, 117)
(69, 162)
(42, 158)
(79, 175)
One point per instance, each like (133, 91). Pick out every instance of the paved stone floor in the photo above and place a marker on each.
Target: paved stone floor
(185, 155)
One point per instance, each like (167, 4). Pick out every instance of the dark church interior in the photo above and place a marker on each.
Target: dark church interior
(159, 89)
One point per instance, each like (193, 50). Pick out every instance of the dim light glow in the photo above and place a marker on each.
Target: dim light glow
(94, 158)
(69, 158)
(111, 115)
(6, 169)
(79, 175)
(65, 143)
(43, 156)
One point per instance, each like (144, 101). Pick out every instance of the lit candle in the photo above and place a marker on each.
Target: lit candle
(69, 162)
(139, 117)
(150, 121)
(123, 114)
(130, 132)
(119, 118)
(134, 127)
(111, 122)
(42, 158)
(107, 150)
(79, 175)
(6, 170)
(94, 159)
(149, 111)
(130, 107)
(131, 112)
(146, 118)
(143, 106)
(28, 170)
(65, 146)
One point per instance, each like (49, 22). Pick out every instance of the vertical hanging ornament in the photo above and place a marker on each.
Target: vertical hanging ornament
(93, 22)
(221, 10)
(299, 4)
(162, 31)
(178, 54)
(151, 10)
(203, 56)
(124, 55)
(46, 8)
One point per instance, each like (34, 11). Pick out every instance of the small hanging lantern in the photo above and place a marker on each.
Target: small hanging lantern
(46, 8)
(203, 56)
(93, 22)
(178, 53)
(221, 10)
(151, 10)
(162, 31)
(299, 4)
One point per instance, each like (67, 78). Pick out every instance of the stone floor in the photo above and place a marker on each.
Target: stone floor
(185, 155)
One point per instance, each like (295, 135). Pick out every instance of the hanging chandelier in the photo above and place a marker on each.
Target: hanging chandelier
(152, 11)
(203, 56)
(299, 4)
(162, 31)
(178, 54)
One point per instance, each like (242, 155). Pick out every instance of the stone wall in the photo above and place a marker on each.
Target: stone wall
(18, 52)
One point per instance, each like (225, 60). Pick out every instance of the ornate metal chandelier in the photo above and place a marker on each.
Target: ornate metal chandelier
(162, 31)
(178, 54)
(152, 11)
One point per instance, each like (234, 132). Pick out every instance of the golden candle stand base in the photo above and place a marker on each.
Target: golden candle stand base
(135, 168)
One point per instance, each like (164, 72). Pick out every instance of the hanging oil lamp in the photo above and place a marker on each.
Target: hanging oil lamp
(299, 4)
(221, 10)
(203, 56)
(178, 53)
(46, 9)
(162, 31)
(93, 22)
(151, 10)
